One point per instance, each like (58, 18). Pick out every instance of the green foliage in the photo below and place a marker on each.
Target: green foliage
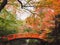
(8, 23)
(7, 27)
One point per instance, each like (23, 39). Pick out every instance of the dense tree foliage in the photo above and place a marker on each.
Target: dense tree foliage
(41, 20)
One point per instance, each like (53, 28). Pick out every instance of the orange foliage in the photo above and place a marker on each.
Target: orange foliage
(49, 15)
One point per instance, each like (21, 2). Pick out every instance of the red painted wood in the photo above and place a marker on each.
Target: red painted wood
(16, 36)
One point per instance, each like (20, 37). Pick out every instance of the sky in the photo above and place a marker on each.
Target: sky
(23, 14)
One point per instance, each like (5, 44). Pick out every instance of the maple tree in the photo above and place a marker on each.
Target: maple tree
(41, 21)
(46, 11)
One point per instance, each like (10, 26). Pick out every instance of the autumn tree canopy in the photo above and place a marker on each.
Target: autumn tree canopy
(29, 16)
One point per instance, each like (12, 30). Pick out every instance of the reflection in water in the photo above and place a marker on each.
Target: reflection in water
(25, 42)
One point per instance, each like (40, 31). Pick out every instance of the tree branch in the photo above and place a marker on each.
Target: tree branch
(3, 4)
(20, 3)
